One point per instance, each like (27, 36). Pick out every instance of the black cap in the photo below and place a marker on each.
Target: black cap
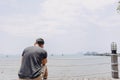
(40, 41)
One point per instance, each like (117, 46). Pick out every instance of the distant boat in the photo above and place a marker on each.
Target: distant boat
(52, 55)
(62, 54)
(7, 56)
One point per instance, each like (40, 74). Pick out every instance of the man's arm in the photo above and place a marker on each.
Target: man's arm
(45, 71)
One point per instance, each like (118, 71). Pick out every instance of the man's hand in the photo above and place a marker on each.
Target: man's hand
(44, 61)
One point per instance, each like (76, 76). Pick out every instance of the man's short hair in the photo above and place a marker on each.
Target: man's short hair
(40, 41)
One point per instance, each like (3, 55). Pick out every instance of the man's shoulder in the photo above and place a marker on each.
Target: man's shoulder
(28, 47)
(41, 50)
(35, 48)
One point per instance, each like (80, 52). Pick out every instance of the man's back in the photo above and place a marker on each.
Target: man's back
(31, 62)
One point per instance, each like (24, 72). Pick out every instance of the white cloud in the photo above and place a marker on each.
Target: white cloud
(96, 4)
(64, 20)
(67, 14)
(7, 2)
(55, 13)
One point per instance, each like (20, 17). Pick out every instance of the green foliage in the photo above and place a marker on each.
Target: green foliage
(118, 8)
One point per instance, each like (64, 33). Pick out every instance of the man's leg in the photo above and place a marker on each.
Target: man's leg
(38, 78)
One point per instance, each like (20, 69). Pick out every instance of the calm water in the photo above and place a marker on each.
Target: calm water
(62, 66)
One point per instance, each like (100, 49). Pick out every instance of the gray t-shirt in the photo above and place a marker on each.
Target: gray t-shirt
(31, 62)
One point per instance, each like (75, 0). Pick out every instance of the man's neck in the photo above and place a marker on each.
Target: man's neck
(37, 45)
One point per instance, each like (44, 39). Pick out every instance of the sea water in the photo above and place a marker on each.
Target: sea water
(61, 67)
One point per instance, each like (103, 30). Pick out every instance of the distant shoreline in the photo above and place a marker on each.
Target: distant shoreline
(98, 54)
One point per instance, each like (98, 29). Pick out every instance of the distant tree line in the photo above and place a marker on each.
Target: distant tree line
(118, 8)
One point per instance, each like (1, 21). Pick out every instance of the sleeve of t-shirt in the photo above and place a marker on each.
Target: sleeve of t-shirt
(23, 53)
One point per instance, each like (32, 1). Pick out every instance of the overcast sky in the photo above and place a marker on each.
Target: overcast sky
(68, 26)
